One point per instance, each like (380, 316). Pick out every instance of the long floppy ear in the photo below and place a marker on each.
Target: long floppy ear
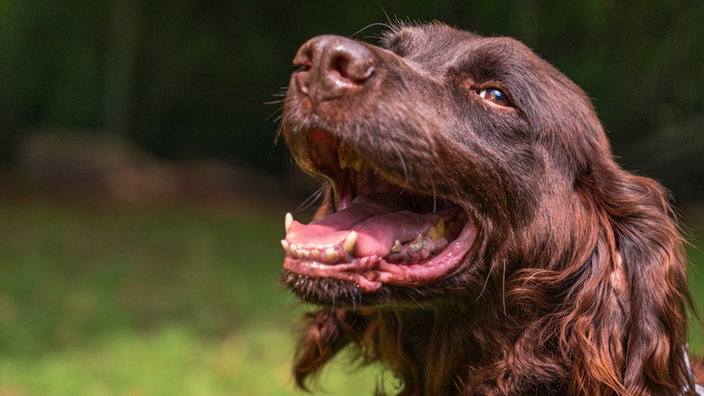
(325, 333)
(627, 327)
(321, 339)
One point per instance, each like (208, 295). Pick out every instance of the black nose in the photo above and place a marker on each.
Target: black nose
(332, 66)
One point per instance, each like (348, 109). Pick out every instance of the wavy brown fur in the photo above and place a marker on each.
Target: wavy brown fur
(577, 283)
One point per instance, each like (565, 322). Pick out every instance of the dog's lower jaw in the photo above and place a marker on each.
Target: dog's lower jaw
(369, 272)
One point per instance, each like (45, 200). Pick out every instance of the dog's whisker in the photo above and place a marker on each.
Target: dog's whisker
(312, 199)
(277, 136)
(406, 174)
(276, 114)
(383, 25)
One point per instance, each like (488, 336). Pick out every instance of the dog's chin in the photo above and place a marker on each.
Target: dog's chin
(334, 293)
(322, 291)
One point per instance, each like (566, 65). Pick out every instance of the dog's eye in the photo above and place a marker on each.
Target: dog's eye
(495, 95)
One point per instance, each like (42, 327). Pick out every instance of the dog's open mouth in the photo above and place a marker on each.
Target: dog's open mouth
(380, 232)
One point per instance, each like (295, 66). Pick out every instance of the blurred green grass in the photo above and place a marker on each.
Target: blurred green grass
(137, 301)
(145, 302)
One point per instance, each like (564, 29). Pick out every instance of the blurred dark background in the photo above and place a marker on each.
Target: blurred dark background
(115, 112)
(189, 81)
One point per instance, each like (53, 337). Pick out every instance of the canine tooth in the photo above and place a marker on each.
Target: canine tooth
(351, 242)
(348, 158)
(396, 248)
(285, 245)
(330, 254)
(417, 244)
(288, 220)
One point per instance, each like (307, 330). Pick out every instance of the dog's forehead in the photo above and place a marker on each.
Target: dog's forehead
(417, 38)
(438, 46)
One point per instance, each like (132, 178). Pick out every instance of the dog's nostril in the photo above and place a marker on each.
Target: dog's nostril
(302, 68)
(352, 62)
(339, 64)
(303, 59)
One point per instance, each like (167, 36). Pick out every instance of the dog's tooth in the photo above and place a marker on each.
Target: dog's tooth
(302, 253)
(348, 158)
(288, 220)
(441, 227)
(331, 254)
(285, 245)
(396, 247)
(417, 244)
(437, 231)
(432, 233)
(358, 164)
(315, 253)
(343, 157)
(351, 242)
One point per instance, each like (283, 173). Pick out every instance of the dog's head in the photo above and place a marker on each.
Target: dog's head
(466, 169)
(439, 147)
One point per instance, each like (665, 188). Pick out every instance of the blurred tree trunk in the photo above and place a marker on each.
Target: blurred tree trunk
(125, 16)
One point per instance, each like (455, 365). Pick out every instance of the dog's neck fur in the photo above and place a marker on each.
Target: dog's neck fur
(482, 362)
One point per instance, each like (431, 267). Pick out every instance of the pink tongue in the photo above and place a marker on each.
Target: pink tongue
(378, 219)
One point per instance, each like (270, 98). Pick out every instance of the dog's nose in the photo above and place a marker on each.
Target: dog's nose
(332, 66)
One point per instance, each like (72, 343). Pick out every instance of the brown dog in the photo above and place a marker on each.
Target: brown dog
(478, 236)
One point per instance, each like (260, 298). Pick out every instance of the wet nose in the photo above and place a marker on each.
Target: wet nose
(332, 66)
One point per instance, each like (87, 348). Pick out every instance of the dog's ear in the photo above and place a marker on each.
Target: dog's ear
(327, 331)
(627, 326)
(620, 300)
(321, 338)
